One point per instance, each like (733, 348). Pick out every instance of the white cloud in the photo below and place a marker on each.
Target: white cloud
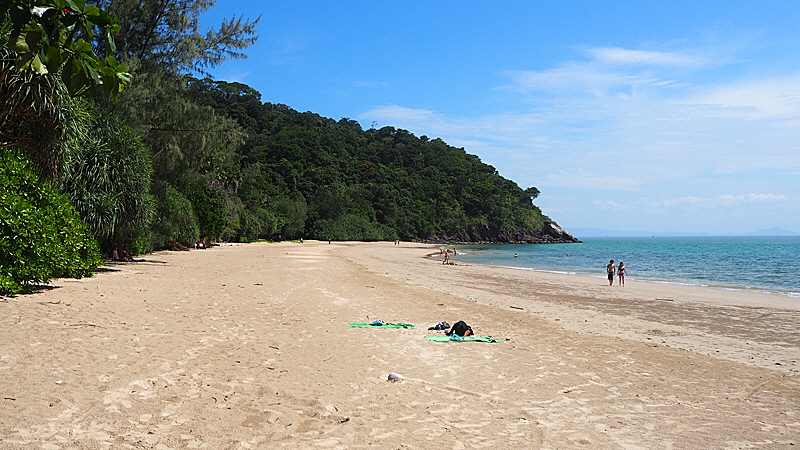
(576, 77)
(672, 202)
(398, 114)
(750, 198)
(623, 56)
(774, 98)
(234, 77)
(725, 200)
(631, 68)
(610, 205)
(369, 84)
(582, 179)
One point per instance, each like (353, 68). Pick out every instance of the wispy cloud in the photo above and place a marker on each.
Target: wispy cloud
(729, 199)
(608, 69)
(624, 56)
(761, 99)
(398, 114)
(724, 200)
(370, 84)
(575, 77)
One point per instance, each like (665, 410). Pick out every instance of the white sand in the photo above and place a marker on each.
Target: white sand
(247, 346)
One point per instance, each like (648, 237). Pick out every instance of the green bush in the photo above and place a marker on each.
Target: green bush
(353, 227)
(257, 223)
(107, 175)
(175, 219)
(42, 236)
(209, 205)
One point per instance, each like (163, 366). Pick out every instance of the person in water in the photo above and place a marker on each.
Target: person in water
(610, 269)
(621, 272)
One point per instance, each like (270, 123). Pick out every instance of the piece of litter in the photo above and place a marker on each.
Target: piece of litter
(396, 377)
(59, 382)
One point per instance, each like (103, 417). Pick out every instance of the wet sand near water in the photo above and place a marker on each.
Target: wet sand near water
(247, 346)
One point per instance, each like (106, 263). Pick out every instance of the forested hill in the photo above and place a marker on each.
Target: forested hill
(303, 175)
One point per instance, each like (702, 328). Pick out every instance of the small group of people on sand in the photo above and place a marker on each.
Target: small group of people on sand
(120, 254)
(620, 271)
(446, 252)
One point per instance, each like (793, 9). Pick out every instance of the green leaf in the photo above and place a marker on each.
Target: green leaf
(18, 43)
(33, 38)
(91, 10)
(83, 46)
(53, 59)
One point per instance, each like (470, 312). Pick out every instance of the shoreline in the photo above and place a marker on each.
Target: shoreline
(247, 346)
(679, 261)
(703, 320)
(788, 294)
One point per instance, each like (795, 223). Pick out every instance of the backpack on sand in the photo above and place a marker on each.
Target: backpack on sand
(461, 328)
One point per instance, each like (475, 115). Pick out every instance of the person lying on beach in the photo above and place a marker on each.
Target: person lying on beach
(460, 328)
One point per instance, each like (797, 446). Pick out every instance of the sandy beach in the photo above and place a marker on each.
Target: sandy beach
(247, 347)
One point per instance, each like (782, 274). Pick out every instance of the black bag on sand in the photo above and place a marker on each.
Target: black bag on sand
(461, 328)
(440, 326)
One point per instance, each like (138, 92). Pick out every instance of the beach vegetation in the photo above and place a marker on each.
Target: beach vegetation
(107, 175)
(175, 224)
(42, 236)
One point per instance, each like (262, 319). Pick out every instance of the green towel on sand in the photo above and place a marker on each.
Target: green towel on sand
(466, 339)
(385, 325)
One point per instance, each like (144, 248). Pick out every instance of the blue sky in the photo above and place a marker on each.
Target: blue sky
(658, 116)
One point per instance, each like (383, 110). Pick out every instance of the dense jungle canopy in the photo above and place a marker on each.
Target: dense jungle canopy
(108, 111)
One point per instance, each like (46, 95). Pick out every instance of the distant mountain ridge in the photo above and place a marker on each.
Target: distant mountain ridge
(600, 232)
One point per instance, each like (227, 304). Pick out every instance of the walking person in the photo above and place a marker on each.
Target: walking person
(610, 269)
(621, 272)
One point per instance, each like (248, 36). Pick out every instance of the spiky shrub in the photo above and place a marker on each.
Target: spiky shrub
(107, 175)
(41, 235)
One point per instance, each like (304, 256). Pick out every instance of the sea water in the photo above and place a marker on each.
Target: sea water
(769, 264)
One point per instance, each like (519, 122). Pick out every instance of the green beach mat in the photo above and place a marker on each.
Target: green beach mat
(385, 325)
(466, 339)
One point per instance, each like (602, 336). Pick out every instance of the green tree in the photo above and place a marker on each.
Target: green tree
(56, 36)
(191, 143)
(166, 35)
(176, 223)
(210, 206)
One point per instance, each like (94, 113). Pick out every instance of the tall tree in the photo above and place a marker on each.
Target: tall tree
(167, 35)
(193, 146)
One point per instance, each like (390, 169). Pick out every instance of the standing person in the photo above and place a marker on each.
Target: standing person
(610, 269)
(621, 272)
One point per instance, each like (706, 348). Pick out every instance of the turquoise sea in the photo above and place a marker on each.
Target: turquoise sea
(762, 263)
